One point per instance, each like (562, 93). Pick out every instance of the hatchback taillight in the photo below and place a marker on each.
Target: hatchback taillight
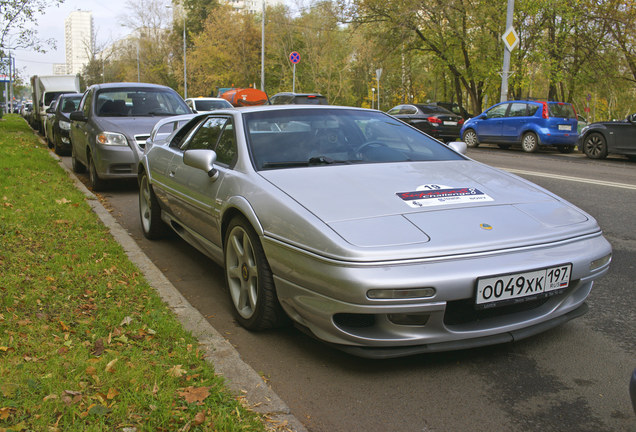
(434, 120)
(545, 113)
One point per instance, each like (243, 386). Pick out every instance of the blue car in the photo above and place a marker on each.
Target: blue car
(527, 123)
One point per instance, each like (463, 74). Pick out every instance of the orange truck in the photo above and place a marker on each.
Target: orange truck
(240, 97)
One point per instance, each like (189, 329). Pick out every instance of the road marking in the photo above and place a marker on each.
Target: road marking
(568, 178)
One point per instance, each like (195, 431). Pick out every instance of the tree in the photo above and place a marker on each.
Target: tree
(15, 18)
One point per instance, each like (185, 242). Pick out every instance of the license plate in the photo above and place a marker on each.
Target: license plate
(565, 127)
(450, 123)
(499, 290)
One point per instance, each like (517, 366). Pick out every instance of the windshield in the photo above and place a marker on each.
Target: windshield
(560, 109)
(209, 105)
(133, 102)
(70, 103)
(310, 137)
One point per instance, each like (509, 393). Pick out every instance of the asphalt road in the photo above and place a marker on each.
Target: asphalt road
(572, 378)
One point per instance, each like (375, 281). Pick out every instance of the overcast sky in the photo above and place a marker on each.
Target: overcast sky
(106, 24)
(51, 25)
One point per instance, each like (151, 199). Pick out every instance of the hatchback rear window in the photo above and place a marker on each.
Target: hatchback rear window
(560, 109)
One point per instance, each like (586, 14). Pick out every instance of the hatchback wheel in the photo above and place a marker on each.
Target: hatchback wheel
(97, 184)
(470, 138)
(529, 142)
(149, 211)
(249, 278)
(595, 146)
(77, 166)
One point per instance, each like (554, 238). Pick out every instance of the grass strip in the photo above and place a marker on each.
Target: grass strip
(85, 343)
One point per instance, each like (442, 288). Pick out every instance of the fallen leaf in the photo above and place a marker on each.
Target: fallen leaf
(6, 412)
(110, 367)
(195, 394)
(98, 348)
(155, 389)
(176, 371)
(199, 418)
(62, 201)
(112, 393)
(64, 326)
(126, 321)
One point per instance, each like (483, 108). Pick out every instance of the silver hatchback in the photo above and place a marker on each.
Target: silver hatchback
(112, 124)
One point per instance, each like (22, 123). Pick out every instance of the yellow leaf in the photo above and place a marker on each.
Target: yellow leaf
(110, 367)
(111, 393)
(176, 371)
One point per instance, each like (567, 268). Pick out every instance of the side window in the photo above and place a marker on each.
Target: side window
(518, 110)
(394, 110)
(208, 134)
(226, 152)
(408, 109)
(498, 111)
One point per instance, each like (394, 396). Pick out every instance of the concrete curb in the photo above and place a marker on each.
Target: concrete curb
(240, 378)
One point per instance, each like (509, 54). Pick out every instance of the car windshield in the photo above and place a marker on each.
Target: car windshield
(560, 109)
(312, 137)
(133, 102)
(209, 105)
(70, 104)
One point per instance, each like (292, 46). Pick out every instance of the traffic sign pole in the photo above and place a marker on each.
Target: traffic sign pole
(294, 57)
(506, 59)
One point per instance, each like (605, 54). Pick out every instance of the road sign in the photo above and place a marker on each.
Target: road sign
(510, 38)
(294, 57)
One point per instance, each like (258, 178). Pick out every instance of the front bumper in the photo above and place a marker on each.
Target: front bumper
(116, 162)
(329, 298)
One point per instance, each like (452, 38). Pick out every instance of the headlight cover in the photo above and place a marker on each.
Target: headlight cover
(64, 125)
(111, 139)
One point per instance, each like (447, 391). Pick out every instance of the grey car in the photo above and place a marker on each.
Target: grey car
(367, 233)
(112, 124)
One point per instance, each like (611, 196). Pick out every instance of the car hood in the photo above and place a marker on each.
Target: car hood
(129, 126)
(448, 206)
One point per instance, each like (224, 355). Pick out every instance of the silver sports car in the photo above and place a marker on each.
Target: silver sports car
(366, 232)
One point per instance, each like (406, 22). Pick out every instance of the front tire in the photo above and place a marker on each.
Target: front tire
(77, 166)
(470, 138)
(595, 146)
(96, 183)
(529, 142)
(249, 278)
(149, 211)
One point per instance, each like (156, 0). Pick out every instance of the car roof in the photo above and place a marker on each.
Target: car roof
(256, 108)
(129, 85)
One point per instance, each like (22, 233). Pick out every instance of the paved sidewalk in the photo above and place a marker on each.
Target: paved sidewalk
(240, 378)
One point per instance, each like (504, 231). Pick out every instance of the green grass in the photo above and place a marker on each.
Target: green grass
(85, 343)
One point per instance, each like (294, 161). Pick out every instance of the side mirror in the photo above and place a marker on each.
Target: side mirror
(50, 110)
(203, 160)
(482, 116)
(78, 116)
(459, 146)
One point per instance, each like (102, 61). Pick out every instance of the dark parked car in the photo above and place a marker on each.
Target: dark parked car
(58, 123)
(527, 123)
(434, 120)
(112, 124)
(286, 98)
(599, 139)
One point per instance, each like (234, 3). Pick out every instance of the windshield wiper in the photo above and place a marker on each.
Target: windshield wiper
(325, 160)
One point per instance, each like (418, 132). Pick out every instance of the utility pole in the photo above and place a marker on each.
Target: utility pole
(263, 49)
(506, 60)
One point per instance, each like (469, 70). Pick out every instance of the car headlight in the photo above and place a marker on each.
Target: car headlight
(64, 125)
(111, 139)
(585, 129)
